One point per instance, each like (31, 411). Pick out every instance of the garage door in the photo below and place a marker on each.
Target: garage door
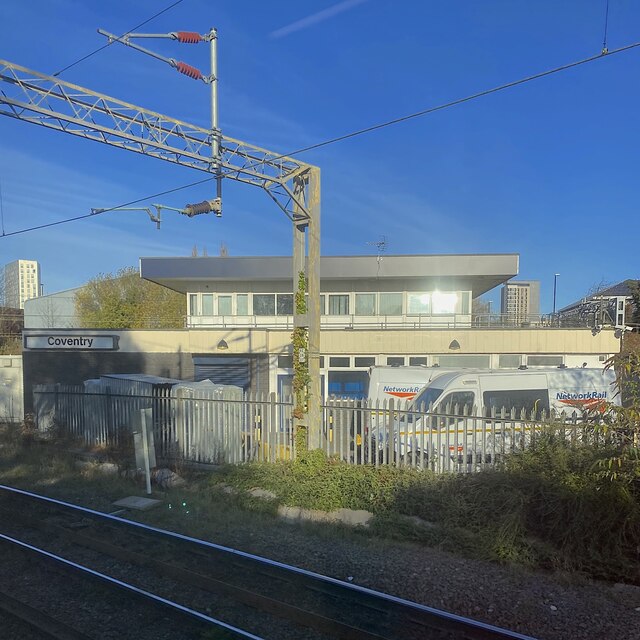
(223, 370)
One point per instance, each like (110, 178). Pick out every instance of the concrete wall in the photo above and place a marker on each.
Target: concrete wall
(170, 353)
(266, 341)
(166, 358)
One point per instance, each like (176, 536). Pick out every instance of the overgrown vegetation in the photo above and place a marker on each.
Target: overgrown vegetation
(125, 301)
(548, 507)
(557, 505)
(11, 326)
(300, 340)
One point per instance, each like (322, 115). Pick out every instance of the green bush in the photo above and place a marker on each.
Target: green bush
(318, 482)
(548, 506)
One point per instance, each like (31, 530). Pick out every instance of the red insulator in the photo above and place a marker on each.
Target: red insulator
(189, 37)
(188, 70)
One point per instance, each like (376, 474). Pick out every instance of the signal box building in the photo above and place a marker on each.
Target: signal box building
(376, 310)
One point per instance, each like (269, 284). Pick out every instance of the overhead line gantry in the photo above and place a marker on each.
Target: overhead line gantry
(293, 185)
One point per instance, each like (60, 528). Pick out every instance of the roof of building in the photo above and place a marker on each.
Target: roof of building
(620, 289)
(478, 272)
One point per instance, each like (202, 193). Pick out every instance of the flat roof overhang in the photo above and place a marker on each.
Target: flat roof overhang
(476, 272)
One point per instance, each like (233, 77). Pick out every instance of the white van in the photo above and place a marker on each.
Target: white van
(398, 383)
(531, 390)
(433, 423)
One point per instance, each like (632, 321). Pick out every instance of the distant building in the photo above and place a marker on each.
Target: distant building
(520, 301)
(53, 310)
(607, 307)
(21, 282)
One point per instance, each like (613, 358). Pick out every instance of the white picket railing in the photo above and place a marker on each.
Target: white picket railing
(259, 427)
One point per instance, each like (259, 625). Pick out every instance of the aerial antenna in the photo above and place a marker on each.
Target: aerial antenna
(381, 246)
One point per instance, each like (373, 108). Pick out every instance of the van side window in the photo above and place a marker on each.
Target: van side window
(528, 399)
(456, 402)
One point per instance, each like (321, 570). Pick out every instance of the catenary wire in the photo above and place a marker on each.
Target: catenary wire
(453, 103)
(606, 26)
(153, 17)
(119, 206)
(360, 132)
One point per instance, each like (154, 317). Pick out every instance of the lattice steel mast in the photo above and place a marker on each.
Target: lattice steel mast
(293, 185)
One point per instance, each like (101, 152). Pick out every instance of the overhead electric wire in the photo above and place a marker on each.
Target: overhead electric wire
(360, 132)
(93, 215)
(606, 26)
(155, 15)
(453, 103)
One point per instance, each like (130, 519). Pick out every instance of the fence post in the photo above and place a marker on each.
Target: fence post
(55, 404)
(273, 425)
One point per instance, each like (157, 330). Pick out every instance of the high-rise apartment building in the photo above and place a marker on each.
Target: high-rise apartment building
(521, 301)
(21, 282)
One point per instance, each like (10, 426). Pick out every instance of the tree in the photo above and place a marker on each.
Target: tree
(11, 325)
(480, 311)
(125, 301)
(634, 315)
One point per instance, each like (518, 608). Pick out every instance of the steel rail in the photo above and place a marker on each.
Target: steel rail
(128, 587)
(427, 616)
(270, 605)
(45, 624)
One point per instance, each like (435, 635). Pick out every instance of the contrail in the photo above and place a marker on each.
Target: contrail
(315, 18)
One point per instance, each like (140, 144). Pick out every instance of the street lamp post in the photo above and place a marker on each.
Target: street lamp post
(555, 287)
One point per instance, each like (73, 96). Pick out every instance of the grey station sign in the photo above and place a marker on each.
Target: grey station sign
(71, 342)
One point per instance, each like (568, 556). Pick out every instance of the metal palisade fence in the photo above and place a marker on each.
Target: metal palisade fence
(458, 440)
(192, 426)
(187, 425)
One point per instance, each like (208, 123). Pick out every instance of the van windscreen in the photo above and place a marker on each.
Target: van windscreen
(427, 397)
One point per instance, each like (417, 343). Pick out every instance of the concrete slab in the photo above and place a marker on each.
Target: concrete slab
(137, 503)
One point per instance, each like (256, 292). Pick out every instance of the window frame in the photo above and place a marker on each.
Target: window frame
(365, 294)
(263, 295)
(425, 299)
(225, 297)
(338, 295)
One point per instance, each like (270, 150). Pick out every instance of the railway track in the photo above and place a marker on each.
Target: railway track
(49, 626)
(34, 621)
(308, 604)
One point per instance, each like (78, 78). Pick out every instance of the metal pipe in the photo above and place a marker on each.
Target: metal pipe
(172, 36)
(215, 131)
(126, 42)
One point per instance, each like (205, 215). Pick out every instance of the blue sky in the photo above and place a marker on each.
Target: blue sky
(548, 170)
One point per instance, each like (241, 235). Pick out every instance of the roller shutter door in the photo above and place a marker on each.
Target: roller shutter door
(222, 370)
